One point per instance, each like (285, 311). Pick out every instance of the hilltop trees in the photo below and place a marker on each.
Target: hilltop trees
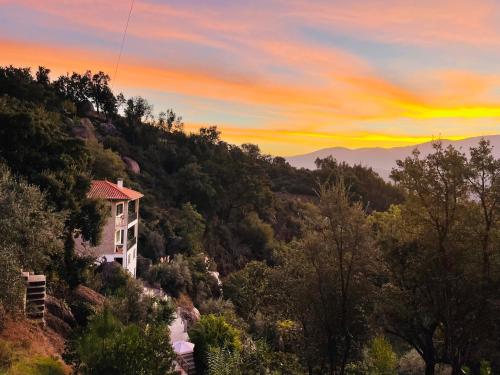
(87, 87)
(442, 272)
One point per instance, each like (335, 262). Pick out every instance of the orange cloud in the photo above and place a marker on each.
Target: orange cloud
(304, 116)
(288, 142)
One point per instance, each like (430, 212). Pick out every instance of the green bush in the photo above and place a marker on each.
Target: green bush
(380, 358)
(210, 332)
(37, 366)
(109, 347)
(6, 355)
(174, 277)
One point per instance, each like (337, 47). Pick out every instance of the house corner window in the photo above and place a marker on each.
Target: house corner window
(119, 209)
(119, 237)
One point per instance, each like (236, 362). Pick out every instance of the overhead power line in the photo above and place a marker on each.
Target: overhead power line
(123, 41)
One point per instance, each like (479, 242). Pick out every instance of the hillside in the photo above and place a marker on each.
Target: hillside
(382, 160)
(274, 269)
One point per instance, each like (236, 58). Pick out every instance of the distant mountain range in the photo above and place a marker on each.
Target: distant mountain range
(382, 160)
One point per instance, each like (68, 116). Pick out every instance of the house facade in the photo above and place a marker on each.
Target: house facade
(120, 233)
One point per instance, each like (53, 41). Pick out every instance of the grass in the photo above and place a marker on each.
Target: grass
(15, 360)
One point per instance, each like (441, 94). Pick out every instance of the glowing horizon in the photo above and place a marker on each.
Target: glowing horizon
(290, 76)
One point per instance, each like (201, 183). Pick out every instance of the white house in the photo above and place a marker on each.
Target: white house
(119, 237)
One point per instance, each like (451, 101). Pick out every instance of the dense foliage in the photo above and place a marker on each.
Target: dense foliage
(109, 347)
(325, 271)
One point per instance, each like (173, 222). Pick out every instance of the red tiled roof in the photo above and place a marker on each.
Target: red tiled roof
(107, 190)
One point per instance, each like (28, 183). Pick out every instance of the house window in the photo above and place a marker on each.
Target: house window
(132, 207)
(131, 233)
(119, 237)
(119, 209)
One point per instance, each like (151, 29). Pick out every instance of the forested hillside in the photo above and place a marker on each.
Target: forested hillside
(330, 271)
(223, 194)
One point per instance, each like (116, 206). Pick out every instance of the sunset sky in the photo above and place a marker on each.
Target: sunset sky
(289, 75)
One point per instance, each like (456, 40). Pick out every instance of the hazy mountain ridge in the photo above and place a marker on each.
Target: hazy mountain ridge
(382, 160)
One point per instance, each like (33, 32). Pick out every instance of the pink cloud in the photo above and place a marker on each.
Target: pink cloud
(417, 22)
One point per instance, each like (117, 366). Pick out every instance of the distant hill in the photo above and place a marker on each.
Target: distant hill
(382, 160)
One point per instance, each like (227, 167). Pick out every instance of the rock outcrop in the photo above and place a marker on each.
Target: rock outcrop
(58, 325)
(89, 296)
(85, 130)
(108, 128)
(131, 164)
(60, 310)
(190, 316)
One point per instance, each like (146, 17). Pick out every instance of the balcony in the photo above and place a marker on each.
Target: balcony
(120, 221)
(132, 216)
(131, 242)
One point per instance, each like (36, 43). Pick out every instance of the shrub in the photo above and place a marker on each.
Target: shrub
(127, 303)
(6, 355)
(210, 332)
(11, 283)
(82, 311)
(37, 366)
(109, 347)
(380, 358)
(174, 277)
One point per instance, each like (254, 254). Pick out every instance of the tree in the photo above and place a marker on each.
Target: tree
(212, 332)
(138, 109)
(42, 76)
(484, 181)
(248, 288)
(75, 87)
(58, 164)
(108, 347)
(190, 228)
(326, 281)
(168, 121)
(11, 283)
(28, 225)
(105, 164)
(100, 93)
(436, 247)
(174, 277)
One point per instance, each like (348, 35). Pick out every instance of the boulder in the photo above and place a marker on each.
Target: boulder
(60, 310)
(85, 130)
(84, 303)
(89, 296)
(131, 165)
(58, 325)
(108, 128)
(190, 316)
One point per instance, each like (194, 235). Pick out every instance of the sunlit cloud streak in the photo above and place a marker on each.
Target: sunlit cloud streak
(259, 66)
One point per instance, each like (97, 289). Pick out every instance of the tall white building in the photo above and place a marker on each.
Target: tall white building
(120, 233)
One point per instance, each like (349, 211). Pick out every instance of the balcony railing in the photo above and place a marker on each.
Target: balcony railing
(132, 216)
(131, 242)
(120, 221)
